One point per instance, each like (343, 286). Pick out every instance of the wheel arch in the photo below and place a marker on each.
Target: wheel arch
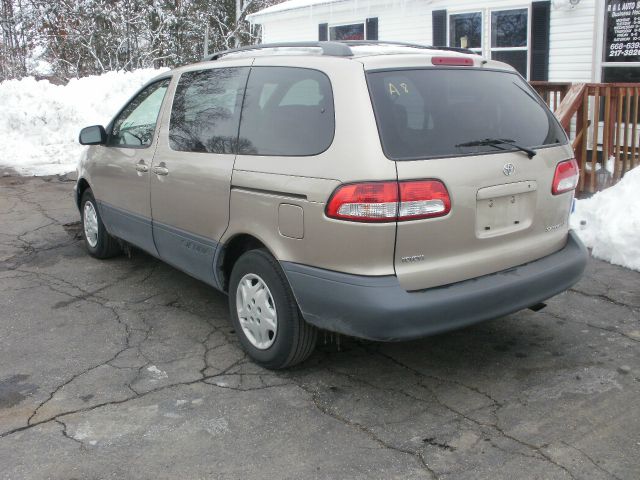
(231, 251)
(81, 187)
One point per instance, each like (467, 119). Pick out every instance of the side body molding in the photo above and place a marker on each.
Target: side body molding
(193, 254)
(128, 226)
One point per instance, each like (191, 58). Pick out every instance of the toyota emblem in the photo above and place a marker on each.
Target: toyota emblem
(508, 169)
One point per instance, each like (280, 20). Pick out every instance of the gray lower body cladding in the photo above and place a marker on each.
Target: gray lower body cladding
(377, 308)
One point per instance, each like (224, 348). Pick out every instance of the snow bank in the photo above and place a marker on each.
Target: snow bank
(40, 121)
(612, 219)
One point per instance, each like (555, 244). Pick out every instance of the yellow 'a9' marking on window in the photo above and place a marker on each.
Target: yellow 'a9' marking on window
(393, 90)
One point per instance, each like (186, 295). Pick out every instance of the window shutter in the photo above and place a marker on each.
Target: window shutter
(323, 31)
(439, 28)
(372, 28)
(540, 20)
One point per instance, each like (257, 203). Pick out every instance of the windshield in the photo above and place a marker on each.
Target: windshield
(426, 113)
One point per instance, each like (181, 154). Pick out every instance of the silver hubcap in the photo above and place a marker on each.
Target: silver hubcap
(90, 219)
(256, 311)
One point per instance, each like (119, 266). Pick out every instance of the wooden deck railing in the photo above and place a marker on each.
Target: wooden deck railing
(552, 92)
(602, 122)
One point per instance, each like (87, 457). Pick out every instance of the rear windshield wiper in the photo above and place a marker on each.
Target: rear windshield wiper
(495, 142)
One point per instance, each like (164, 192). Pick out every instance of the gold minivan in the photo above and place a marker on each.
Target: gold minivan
(376, 190)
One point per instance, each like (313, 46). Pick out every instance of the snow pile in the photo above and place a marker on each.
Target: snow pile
(289, 5)
(40, 121)
(612, 219)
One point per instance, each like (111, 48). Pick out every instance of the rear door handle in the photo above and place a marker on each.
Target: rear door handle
(160, 170)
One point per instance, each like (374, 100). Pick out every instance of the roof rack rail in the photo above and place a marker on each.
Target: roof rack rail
(357, 43)
(332, 48)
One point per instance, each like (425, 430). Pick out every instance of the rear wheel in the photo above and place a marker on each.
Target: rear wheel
(265, 314)
(96, 238)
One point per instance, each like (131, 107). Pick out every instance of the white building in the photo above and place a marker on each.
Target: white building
(557, 41)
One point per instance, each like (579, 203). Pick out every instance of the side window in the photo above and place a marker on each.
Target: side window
(135, 125)
(287, 111)
(206, 110)
(305, 92)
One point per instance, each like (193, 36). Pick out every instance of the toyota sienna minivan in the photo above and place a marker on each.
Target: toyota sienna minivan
(376, 190)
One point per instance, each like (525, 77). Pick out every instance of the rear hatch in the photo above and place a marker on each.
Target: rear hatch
(502, 209)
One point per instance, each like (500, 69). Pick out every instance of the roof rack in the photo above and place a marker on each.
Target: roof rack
(332, 48)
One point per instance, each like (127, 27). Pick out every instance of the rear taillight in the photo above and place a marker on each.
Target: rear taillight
(365, 202)
(423, 199)
(566, 177)
(389, 201)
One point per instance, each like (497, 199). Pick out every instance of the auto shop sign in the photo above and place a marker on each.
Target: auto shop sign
(622, 41)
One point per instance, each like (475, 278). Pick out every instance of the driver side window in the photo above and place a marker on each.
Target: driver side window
(135, 125)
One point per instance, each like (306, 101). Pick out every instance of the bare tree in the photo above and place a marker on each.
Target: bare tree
(82, 37)
(13, 40)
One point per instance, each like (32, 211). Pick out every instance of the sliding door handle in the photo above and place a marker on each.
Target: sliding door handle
(160, 170)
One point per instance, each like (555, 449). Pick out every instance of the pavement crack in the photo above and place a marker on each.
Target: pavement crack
(612, 329)
(492, 426)
(606, 298)
(250, 389)
(66, 435)
(472, 388)
(434, 443)
(60, 415)
(61, 386)
(16, 261)
(128, 331)
(592, 461)
(325, 410)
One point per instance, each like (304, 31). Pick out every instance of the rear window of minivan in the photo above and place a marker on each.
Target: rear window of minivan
(429, 113)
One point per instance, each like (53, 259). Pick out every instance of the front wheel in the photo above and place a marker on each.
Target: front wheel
(265, 314)
(96, 238)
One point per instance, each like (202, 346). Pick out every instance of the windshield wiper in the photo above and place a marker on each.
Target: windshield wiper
(495, 142)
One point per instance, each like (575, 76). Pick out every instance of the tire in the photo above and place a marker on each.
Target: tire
(100, 244)
(293, 339)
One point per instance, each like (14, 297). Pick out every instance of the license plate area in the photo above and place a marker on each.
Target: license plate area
(505, 209)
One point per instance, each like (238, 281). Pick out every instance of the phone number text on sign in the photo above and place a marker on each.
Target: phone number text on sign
(623, 31)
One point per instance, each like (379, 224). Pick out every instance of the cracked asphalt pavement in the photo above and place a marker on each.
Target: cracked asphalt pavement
(128, 368)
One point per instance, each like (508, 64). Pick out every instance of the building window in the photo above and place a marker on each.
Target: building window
(509, 38)
(465, 31)
(628, 74)
(354, 31)
(509, 35)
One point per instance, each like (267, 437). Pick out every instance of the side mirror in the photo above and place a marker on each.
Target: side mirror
(94, 135)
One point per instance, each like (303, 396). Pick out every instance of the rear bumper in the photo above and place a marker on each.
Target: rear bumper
(377, 308)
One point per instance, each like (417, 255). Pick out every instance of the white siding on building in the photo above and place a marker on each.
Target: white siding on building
(408, 20)
(573, 47)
